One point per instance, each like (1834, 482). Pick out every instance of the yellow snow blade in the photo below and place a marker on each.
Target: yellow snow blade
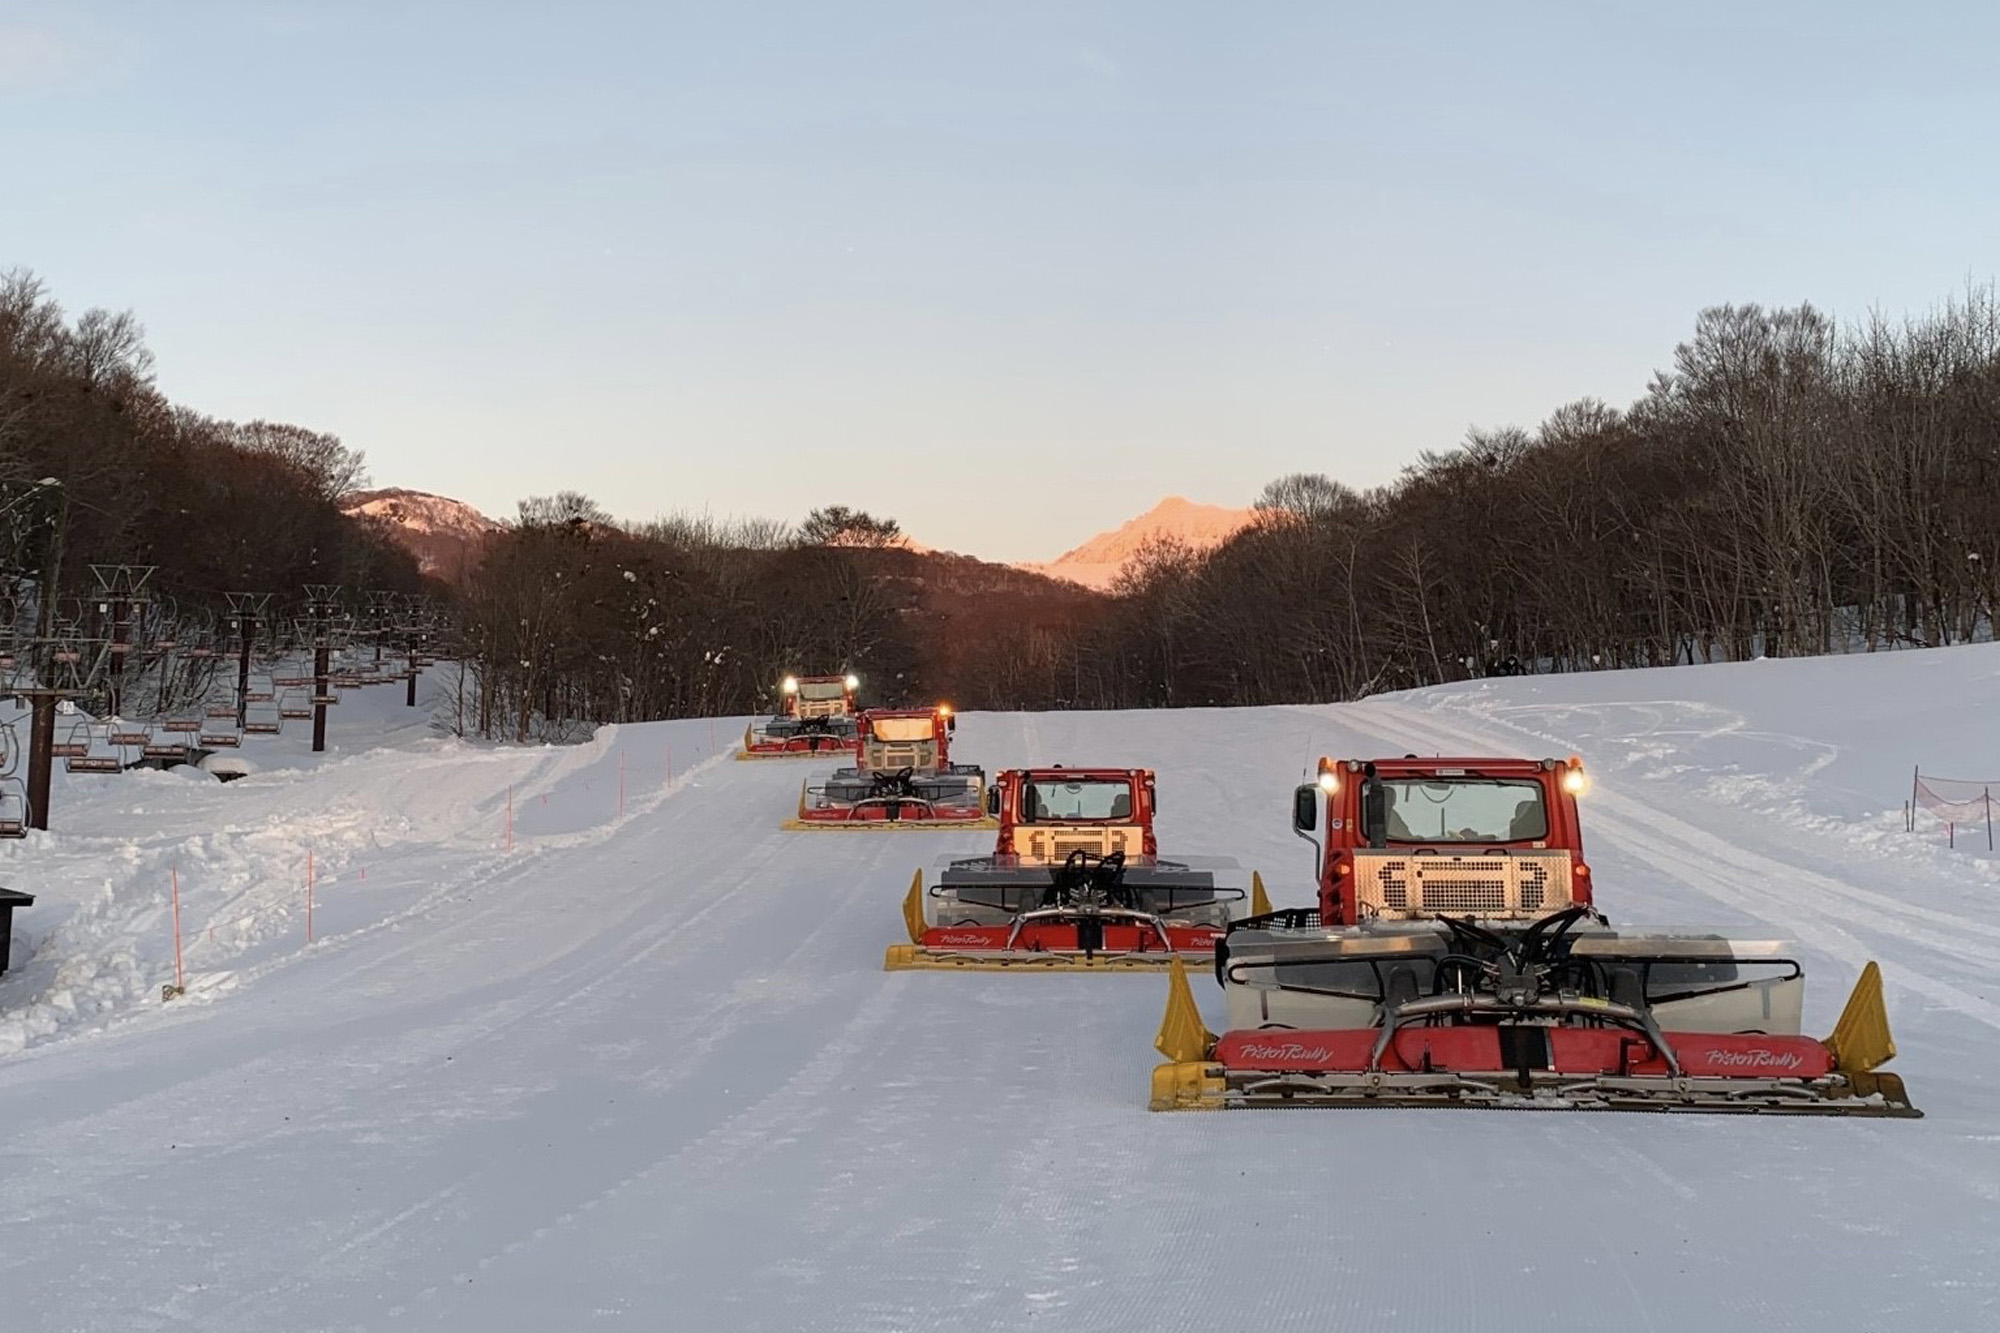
(1861, 1039)
(1188, 1082)
(913, 908)
(912, 825)
(1192, 1085)
(1183, 1036)
(1260, 902)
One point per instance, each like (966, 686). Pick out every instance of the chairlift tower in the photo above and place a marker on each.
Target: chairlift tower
(321, 611)
(246, 613)
(121, 594)
(52, 672)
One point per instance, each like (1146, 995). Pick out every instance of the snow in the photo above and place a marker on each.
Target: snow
(644, 1069)
(1098, 562)
(420, 511)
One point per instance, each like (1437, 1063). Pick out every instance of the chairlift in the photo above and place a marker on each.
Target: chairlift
(182, 725)
(292, 682)
(168, 750)
(93, 763)
(325, 700)
(221, 710)
(293, 707)
(74, 745)
(221, 740)
(13, 808)
(125, 740)
(263, 721)
(262, 691)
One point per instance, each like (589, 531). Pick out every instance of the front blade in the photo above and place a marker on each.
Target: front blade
(917, 958)
(1861, 1039)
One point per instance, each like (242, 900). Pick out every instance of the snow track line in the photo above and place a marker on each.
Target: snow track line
(712, 1024)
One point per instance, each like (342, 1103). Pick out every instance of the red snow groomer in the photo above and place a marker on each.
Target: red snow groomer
(902, 778)
(815, 716)
(1075, 880)
(1457, 958)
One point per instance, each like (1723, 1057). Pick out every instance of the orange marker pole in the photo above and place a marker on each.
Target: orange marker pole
(180, 971)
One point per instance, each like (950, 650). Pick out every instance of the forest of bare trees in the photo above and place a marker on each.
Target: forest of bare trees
(1790, 486)
(97, 467)
(1787, 488)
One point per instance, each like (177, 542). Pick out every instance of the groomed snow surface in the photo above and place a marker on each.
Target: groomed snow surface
(646, 1071)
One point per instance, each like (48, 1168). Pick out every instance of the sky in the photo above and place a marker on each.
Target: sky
(1007, 273)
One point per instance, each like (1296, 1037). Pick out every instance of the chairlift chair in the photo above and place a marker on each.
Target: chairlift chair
(294, 707)
(221, 740)
(75, 743)
(87, 759)
(13, 808)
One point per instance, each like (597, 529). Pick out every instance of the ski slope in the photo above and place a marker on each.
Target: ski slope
(644, 1070)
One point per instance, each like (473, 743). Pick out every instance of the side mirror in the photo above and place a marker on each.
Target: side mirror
(993, 801)
(951, 724)
(1305, 808)
(1153, 796)
(1375, 814)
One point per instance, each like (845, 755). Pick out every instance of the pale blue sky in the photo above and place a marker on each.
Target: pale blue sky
(1008, 272)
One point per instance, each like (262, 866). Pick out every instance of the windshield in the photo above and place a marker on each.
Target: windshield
(1057, 800)
(901, 728)
(1465, 810)
(822, 689)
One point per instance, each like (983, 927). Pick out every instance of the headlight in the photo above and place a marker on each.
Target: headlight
(944, 710)
(1329, 781)
(790, 685)
(1575, 782)
(853, 683)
